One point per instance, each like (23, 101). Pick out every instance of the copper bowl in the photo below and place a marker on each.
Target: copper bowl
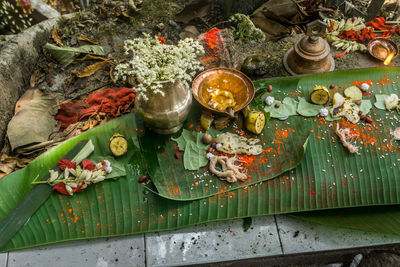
(380, 48)
(231, 79)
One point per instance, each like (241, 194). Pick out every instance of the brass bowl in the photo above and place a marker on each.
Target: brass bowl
(380, 48)
(233, 80)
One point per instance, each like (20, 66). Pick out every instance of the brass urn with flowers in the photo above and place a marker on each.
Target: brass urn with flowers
(163, 73)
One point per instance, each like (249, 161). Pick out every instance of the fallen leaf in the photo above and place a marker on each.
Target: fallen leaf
(32, 81)
(34, 122)
(27, 97)
(90, 70)
(89, 57)
(86, 39)
(193, 11)
(56, 37)
(65, 55)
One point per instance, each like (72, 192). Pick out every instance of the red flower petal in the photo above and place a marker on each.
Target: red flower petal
(88, 165)
(60, 188)
(66, 163)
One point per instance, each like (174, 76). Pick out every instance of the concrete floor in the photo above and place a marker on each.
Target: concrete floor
(268, 236)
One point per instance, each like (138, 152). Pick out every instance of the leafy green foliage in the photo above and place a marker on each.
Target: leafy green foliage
(380, 102)
(365, 106)
(193, 157)
(65, 55)
(307, 109)
(288, 107)
(245, 29)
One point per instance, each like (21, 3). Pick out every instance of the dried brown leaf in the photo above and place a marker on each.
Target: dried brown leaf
(89, 57)
(27, 97)
(33, 78)
(90, 70)
(86, 39)
(56, 37)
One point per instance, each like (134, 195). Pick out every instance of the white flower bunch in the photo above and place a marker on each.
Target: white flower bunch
(154, 64)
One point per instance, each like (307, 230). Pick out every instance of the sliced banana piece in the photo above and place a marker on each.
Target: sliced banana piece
(320, 95)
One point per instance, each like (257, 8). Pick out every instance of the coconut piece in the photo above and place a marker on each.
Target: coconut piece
(396, 133)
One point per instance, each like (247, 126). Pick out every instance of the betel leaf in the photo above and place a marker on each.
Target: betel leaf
(194, 149)
(307, 109)
(65, 55)
(286, 108)
(380, 102)
(365, 106)
(194, 158)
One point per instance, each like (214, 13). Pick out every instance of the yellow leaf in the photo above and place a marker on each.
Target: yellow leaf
(90, 70)
(56, 37)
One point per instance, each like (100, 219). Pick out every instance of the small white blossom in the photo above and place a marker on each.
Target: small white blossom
(323, 112)
(364, 87)
(99, 166)
(218, 146)
(269, 100)
(53, 176)
(69, 189)
(209, 155)
(153, 64)
(108, 169)
(99, 178)
(108, 164)
(66, 173)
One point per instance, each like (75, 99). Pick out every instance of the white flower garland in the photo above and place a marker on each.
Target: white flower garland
(154, 64)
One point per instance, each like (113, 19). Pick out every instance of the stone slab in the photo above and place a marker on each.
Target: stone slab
(298, 236)
(3, 259)
(109, 252)
(213, 242)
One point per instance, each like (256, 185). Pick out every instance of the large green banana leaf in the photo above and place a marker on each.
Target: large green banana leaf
(327, 178)
(283, 151)
(381, 219)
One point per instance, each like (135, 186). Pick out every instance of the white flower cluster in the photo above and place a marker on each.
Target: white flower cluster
(153, 64)
(73, 178)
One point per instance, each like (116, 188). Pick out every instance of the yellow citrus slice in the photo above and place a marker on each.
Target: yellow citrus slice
(118, 145)
(320, 95)
(255, 121)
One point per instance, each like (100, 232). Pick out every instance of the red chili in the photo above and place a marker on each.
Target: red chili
(340, 54)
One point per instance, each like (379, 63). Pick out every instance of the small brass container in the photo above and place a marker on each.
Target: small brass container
(380, 48)
(227, 79)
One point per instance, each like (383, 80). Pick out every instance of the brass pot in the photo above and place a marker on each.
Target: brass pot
(166, 114)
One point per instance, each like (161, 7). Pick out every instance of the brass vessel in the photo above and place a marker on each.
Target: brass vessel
(235, 81)
(166, 114)
(311, 54)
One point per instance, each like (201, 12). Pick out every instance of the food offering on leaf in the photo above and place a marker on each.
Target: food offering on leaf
(343, 107)
(75, 178)
(236, 144)
(206, 119)
(320, 95)
(118, 145)
(230, 172)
